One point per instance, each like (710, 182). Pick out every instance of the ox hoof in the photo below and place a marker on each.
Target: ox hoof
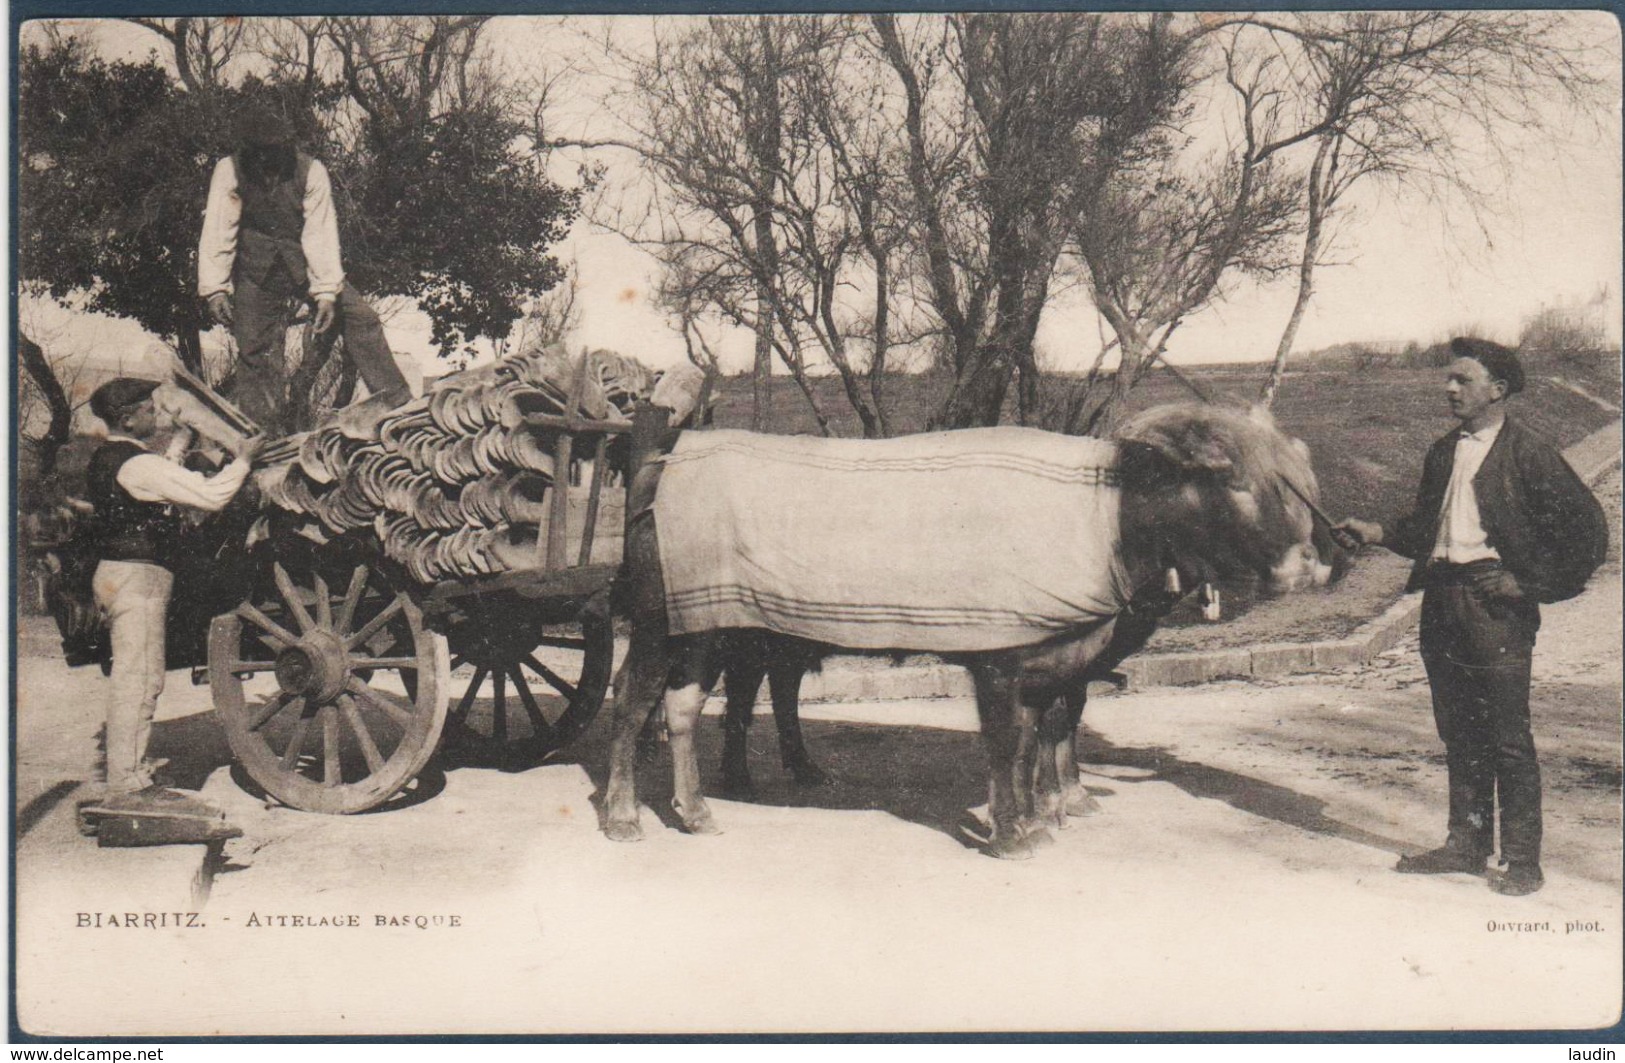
(1053, 819)
(623, 832)
(701, 822)
(1012, 848)
(1038, 834)
(1081, 802)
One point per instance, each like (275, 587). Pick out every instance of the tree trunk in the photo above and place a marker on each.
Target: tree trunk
(763, 142)
(57, 432)
(189, 342)
(977, 396)
(882, 338)
(761, 384)
(1306, 274)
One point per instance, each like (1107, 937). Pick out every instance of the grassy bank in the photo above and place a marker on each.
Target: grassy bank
(1368, 430)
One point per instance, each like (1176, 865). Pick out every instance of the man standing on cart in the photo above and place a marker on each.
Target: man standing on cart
(271, 239)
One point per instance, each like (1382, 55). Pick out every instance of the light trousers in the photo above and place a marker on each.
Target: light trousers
(135, 596)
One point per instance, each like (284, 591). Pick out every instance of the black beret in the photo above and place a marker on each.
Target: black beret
(114, 398)
(261, 127)
(1502, 362)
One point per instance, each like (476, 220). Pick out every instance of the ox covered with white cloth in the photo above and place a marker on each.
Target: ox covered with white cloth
(981, 539)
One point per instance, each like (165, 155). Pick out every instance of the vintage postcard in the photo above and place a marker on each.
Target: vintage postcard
(1152, 478)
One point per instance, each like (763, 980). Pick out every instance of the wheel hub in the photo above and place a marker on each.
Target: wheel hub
(317, 667)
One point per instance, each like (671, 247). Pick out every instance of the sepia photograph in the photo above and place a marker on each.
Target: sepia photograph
(817, 524)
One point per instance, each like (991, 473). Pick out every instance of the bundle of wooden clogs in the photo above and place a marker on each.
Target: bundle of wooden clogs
(452, 483)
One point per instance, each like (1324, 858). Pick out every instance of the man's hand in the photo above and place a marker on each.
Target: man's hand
(250, 448)
(324, 315)
(220, 308)
(1498, 583)
(1353, 534)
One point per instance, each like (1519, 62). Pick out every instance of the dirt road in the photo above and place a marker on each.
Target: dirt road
(1239, 878)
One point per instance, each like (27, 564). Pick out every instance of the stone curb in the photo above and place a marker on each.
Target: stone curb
(1592, 457)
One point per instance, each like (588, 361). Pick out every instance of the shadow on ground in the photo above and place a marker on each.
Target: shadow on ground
(921, 775)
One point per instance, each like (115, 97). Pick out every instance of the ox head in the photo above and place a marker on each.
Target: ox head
(1225, 487)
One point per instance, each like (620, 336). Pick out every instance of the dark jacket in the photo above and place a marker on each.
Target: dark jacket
(1539, 516)
(127, 529)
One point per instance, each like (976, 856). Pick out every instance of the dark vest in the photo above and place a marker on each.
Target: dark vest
(272, 221)
(126, 529)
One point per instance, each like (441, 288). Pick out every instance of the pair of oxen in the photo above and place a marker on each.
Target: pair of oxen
(1203, 491)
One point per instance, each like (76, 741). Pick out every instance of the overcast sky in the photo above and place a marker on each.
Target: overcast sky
(1407, 270)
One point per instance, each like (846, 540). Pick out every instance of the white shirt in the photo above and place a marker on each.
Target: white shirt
(1461, 530)
(151, 478)
(217, 250)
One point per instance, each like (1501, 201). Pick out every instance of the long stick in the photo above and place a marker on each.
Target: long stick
(1316, 510)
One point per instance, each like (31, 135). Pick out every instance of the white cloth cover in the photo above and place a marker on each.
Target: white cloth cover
(980, 539)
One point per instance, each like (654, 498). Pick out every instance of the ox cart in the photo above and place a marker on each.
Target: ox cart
(337, 675)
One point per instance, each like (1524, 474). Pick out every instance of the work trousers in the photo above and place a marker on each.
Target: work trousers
(1477, 651)
(261, 313)
(135, 596)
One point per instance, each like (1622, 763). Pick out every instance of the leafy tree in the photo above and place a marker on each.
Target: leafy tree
(111, 185)
(439, 200)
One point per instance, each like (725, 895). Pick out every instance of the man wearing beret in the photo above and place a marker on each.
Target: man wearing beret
(271, 238)
(134, 491)
(1501, 524)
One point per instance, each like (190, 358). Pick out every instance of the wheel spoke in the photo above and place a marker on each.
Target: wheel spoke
(562, 641)
(282, 701)
(554, 680)
(374, 698)
(296, 745)
(540, 728)
(352, 599)
(384, 662)
(499, 707)
(281, 637)
(330, 746)
(376, 622)
(244, 667)
(472, 691)
(290, 594)
(369, 748)
(324, 604)
(456, 663)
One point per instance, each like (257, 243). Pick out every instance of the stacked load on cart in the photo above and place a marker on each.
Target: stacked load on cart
(453, 483)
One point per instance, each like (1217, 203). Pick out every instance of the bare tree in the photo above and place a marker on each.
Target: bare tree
(1159, 237)
(201, 48)
(1420, 100)
(741, 121)
(1002, 115)
(549, 318)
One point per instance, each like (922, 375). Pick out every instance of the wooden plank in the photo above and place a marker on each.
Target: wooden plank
(600, 469)
(577, 582)
(205, 394)
(558, 522)
(577, 424)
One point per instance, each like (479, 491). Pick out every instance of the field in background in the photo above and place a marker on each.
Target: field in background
(1368, 430)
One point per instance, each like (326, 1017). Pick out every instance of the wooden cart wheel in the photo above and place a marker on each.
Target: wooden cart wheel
(532, 687)
(349, 697)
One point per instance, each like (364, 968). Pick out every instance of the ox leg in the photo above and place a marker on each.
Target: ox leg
(784, 673)
(1048, 798)
(999, 706)
(742, 681)
(685, 697)
(637, 688)
(1079, 801)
